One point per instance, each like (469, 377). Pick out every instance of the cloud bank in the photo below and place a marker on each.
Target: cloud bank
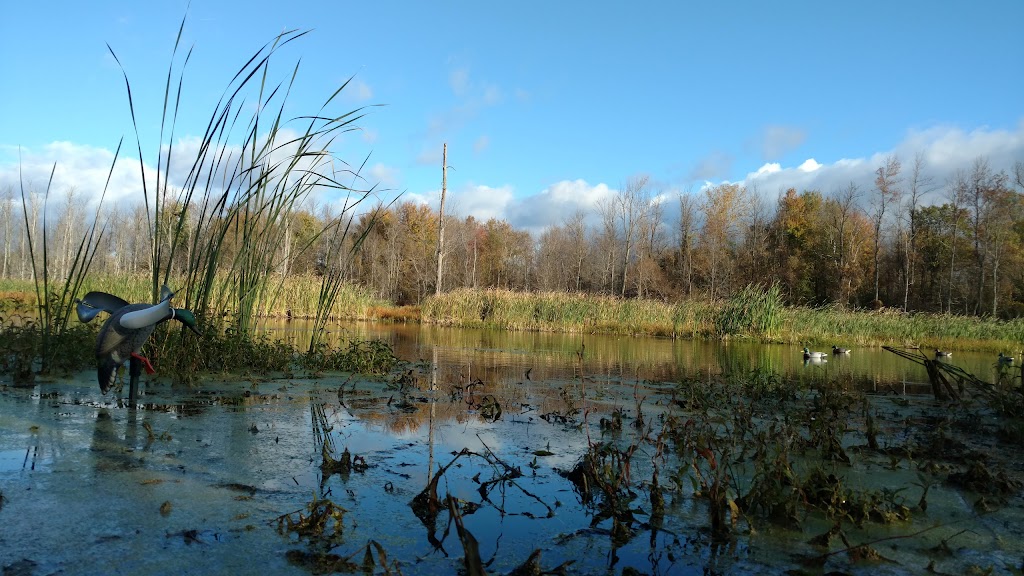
(944, 149)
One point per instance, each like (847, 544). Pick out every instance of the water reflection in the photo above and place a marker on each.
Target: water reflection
(501, 356)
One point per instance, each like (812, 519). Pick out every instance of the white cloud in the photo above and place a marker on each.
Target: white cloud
(484, 202)
(551, 206)
(479, 201)
(84, 168)
(809, 165)
(945, 150)
(556, 203)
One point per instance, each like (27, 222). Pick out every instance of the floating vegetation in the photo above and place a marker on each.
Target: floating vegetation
(322, 519)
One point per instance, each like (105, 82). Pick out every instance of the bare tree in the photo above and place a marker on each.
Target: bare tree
(7, 225)
(650, 239)
(956, 194)
(440, 220)
(845, 241)
(631, 209)
(687, 235)
(887, 180)
(607, 241)
(576, 229)
(920, 184)
(978, 205)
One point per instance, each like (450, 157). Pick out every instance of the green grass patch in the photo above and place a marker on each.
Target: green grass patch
(754, 313)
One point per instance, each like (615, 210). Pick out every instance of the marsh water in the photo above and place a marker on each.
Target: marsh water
(211, 479)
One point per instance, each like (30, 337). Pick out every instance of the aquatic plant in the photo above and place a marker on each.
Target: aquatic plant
(373, 357)
(753, 311)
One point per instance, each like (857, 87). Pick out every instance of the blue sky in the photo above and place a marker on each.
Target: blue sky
(546, 106)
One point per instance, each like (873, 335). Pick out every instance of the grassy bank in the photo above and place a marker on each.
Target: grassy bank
(558, 312)
(745, 316)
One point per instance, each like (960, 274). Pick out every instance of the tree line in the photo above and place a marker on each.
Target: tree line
(906, 241)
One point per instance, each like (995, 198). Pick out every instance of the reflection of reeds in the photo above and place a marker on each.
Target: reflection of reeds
(321, 427)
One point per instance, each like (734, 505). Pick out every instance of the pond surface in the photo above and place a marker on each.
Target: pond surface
(508, 354)
(213, 479)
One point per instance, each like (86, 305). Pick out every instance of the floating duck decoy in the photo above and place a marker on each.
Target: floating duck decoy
(1005, 359)
(123, 334)
(838, 350)
(942, 354)
(808, 355)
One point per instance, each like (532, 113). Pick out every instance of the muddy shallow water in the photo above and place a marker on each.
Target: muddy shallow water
(205, 480)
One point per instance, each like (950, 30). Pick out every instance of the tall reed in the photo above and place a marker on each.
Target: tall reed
(753, 311)
(55, 302)
(231, 215)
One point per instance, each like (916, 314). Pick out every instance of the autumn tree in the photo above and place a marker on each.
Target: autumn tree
(753, 257)
(723, 208)
(794, 234)
(887, 179)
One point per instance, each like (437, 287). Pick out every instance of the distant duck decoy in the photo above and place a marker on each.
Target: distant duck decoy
(838, 350)
(942, 353)
(125, 332)
(808, 355)
(1005, 359)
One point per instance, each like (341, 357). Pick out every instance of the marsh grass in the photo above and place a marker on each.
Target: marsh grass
(754, 313)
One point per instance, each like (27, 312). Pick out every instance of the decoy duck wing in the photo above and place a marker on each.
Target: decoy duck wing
(95, 302)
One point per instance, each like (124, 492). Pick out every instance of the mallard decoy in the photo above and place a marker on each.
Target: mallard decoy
(838, 350)
(942, 354)
(808, 355)
(123, 334)
(1005, 359)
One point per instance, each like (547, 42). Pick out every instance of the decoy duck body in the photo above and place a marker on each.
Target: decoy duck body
(1005, 359)
(808, 355)
(126, 331)
(838, 350)
(942, 353)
